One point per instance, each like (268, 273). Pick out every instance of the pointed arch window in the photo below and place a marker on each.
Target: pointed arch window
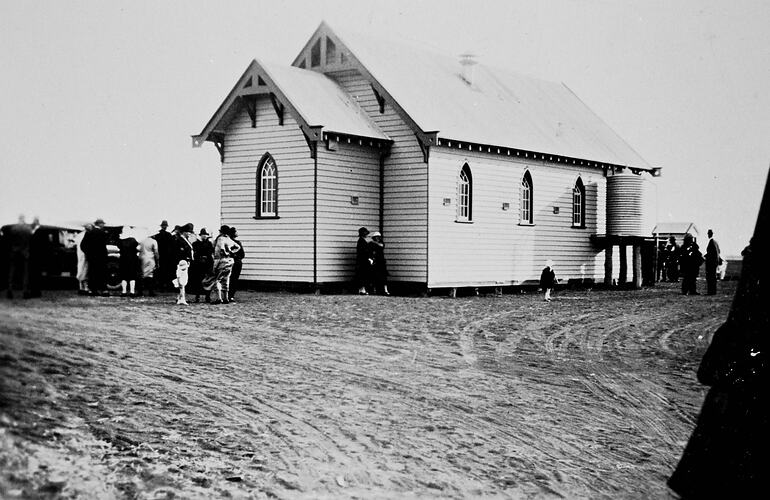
(267, 187)
(465, 194)
(579, 204)
(527, 200)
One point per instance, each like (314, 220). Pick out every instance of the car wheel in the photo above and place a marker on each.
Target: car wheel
(113, 275)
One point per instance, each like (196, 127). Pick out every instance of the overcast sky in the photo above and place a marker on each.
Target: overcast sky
(98, 99)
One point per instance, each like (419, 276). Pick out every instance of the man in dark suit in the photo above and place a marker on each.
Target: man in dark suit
(94, 245)
(166, 253)
(713, 260)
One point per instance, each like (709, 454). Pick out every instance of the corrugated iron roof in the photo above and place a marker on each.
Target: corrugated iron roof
(501, 108)
(675, 228)
(322, 102)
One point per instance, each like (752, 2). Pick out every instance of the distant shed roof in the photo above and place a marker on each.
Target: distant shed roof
(501, 108)
(322, 102)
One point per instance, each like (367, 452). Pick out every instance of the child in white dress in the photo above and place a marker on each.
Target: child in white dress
(182, 276)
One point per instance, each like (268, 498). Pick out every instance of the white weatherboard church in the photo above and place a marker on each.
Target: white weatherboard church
(475, 176)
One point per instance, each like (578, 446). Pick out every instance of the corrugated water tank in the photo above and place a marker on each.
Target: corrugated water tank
(628, 206)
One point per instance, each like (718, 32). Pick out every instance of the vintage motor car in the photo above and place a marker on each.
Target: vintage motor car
(54, 247)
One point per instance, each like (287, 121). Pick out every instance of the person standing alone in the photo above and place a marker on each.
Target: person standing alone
(713, 261)
(547, 280)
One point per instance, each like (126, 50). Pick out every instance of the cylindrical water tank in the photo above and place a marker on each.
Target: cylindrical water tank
(628, 206)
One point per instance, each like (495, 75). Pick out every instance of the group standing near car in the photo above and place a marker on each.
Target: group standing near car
(164, 261)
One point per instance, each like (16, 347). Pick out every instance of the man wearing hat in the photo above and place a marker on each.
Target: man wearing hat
(94, 246)
(203, 264)
(364, 262)
(185, 237)
(166, 265)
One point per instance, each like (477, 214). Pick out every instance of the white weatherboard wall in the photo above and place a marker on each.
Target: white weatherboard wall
(350, 171)
(405, 187)
(276, 249)
(495, 249)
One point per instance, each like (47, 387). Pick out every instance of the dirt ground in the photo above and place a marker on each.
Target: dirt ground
(342, 396)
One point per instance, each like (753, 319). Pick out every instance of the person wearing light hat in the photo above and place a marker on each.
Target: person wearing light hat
(379, 266)
(182, 277)
(224, 248)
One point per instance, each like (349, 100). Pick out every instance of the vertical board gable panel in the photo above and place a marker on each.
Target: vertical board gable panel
(276, 249)
(495, 248)
(405, 230)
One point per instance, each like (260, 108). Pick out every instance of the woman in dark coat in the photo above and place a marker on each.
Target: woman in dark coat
(547, 280)
(690, 260)
(128, 262)
(94, 245)
(364, 262)
(202, 265)
(379, 266)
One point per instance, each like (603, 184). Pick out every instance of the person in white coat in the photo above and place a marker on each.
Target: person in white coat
(149, 259)
(82, 274)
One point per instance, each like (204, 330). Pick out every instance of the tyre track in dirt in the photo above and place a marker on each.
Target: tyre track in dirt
(228, 412)
(430, 397)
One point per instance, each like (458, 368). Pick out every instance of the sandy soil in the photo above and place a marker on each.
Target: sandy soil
(299, 396)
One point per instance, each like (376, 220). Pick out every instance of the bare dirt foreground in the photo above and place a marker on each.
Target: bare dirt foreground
(338, 396)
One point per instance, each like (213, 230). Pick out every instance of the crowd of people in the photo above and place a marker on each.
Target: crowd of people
(685, 261)
(163, 261)
(195, 264)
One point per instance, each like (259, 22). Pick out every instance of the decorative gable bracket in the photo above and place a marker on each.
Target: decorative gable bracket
(380, 99)
(312, 136)
(426, 140)
(219, 142)
(278, 107)
(251, 109)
